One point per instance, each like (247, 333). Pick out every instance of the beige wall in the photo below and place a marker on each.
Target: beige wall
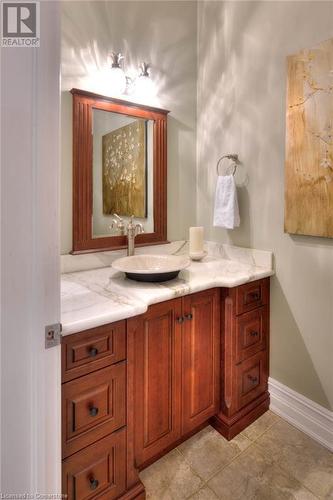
(162, 33)
(242, 49)
(241, 108)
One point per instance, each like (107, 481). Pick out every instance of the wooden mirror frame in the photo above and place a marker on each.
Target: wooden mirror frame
(83, 104)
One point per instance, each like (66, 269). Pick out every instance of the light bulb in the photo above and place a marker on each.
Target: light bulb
(117, 81)
(144, 87)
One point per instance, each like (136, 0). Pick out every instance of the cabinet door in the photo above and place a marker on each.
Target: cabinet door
(92, 407)
(93, 349)
(157, 339)
(98, 471)
(252, 378)
(200, 358)
(251, 333)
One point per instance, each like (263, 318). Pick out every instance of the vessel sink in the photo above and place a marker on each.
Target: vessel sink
(152, 268)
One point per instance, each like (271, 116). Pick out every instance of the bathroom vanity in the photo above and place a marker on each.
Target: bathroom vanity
(146, 365)
(135, 388)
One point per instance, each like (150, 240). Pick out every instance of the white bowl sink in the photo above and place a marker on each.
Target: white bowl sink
(151, 267)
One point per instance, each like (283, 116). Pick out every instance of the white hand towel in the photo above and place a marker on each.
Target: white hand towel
(226, 212)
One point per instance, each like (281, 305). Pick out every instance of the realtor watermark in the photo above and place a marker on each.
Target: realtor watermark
(20, 24)
(32, 496)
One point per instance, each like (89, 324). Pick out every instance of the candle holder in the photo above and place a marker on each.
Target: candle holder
(197, 243)
(198, 255)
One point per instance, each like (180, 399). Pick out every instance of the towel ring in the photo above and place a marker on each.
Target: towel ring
(233, 157)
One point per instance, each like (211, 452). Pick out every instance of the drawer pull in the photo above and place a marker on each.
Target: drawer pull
(254, 333)
(254, 380)
(254, 295)
(93, 352)
(180, 319)
(93, 411)
(93, 483)
(189, 316)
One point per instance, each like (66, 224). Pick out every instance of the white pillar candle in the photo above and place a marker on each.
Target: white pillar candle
(196, 240)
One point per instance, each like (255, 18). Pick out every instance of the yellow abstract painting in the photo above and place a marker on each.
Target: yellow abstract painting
(124, 170)
(309, 142)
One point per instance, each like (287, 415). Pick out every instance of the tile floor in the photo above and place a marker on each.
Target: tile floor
(269, 460)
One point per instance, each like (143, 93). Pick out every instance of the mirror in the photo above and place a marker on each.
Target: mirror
(119, 171)
(122, 172)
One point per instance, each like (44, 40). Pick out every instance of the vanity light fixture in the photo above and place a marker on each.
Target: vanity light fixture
(118, 77)
(141, 85)
(144, 86)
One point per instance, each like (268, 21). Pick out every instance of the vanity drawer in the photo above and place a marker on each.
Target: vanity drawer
(93, 349)
(251, 333)
(92, 407)
(252, 378)
(252, 295)
(98, 471)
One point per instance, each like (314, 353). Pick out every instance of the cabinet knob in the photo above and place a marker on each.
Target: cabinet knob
(93, 411)
(93, 483)
(189, 316)
(180, 319)
(253, 379)
(255, 295)
(254, 333)
(93, 352)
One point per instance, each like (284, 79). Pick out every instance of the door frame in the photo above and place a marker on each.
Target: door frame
(30, 262)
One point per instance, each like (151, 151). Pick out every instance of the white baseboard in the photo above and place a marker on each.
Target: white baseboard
(309, 417)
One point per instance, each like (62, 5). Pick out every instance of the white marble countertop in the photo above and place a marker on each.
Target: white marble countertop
(101, 295)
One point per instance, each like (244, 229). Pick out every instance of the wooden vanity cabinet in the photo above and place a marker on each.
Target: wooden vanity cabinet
(176, 377)
(134, 389)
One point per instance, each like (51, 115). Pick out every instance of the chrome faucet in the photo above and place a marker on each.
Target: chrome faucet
(132, 231)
